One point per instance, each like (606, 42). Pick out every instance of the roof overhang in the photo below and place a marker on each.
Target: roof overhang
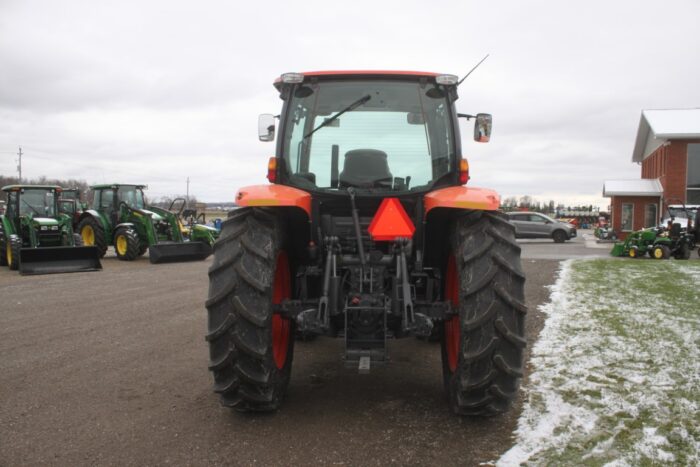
(643, 187)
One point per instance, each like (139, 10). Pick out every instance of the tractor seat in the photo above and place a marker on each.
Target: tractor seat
(365, 168)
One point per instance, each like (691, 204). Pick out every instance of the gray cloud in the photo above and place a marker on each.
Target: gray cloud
(164, 90)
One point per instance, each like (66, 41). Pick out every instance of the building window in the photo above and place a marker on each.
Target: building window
(650, 213)
(627, 217)
(693, 180)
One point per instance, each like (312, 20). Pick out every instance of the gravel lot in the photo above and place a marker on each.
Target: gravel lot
(110, 368)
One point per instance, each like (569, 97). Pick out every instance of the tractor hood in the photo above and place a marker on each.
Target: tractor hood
(45, 221)
(155, 216)
(205, 228)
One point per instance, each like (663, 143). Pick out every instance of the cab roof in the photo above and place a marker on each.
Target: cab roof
(362, 73)
(18, 187)
(116, 185)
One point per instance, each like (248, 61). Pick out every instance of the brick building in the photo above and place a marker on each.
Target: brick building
(668, 150)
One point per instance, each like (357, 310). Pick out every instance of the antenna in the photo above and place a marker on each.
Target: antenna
(470, 71)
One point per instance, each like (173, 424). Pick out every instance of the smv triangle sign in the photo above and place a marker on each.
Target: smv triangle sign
(390, 222)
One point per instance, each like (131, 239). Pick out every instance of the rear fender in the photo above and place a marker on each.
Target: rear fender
(462, 197)
(100, 218)
(274, 196)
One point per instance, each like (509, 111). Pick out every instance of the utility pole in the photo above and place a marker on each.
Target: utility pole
(19, 164)
(187, 197)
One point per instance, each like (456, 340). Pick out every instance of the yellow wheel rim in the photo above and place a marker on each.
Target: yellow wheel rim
(122, 245)
(9, 253)
(658, 253)
(633, 253)
(88, 235)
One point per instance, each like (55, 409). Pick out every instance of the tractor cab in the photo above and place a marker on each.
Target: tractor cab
(374, 132)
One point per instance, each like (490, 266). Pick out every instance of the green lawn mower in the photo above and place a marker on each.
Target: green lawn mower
(119, 216)
(36, 239)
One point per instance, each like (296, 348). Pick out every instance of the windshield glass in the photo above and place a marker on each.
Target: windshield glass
(368, 134)
(132, 196)
(67, 206)
(37, 202)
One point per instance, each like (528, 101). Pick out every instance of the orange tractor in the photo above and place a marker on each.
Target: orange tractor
(367, 232)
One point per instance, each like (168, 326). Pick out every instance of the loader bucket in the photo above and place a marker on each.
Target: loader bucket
(618, 249)
(176, 252)
(51, 260)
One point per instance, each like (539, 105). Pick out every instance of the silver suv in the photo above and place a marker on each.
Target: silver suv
(536, 225)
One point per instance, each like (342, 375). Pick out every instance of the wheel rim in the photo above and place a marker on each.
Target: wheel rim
(633, 253)
(281, 327)
(88, 235)
(452, 333)
(658, 253)
(9, 253)
(122, 245)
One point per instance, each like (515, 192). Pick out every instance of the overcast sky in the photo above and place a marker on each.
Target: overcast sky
(156, 91)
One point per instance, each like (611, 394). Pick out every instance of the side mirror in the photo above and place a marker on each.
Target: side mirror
(266, 127)
(482, 128)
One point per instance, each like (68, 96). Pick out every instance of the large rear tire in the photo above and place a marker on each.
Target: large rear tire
(251, 348)
(93, 234)
(482, 346)
(683, 252)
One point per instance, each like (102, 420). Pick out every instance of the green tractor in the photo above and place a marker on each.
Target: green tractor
(119, 216)
(657, 242)
(36, 239)
(71, 205)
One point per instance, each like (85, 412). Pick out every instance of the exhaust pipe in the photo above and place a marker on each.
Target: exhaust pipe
(54, 260)
(177, 252)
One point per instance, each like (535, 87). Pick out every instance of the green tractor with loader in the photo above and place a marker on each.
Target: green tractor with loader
(36, 239)
(657, 242)
(120, 217)
(670, 239)
(367, 233)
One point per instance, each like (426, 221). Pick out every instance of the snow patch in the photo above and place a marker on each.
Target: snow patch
(616, 370)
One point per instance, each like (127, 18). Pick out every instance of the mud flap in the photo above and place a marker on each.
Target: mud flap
(176, 252)
(53, 260)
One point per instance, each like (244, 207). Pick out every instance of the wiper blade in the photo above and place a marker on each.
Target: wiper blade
(328, 121)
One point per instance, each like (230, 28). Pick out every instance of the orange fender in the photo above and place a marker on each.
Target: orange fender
(274, 195)
(462, 197)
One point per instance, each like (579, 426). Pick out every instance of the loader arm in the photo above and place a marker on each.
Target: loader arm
(172, 222)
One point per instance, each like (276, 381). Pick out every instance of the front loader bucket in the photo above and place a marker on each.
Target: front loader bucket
(618, 249)
(51, 260)
(176, 252)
